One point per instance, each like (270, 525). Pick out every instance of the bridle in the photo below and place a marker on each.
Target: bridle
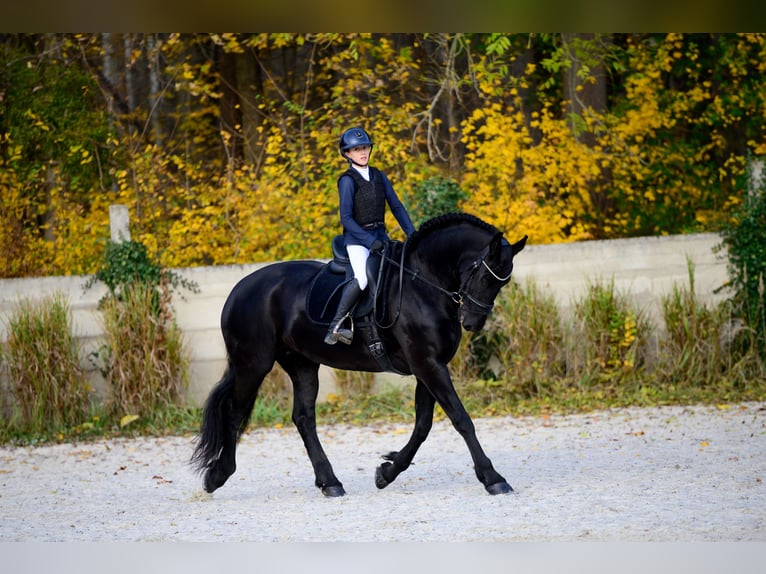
(461, 297)
(463, 294)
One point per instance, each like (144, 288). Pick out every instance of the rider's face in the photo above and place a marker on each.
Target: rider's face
(360, 154)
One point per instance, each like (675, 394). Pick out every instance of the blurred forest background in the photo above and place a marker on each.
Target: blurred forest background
(224, 146)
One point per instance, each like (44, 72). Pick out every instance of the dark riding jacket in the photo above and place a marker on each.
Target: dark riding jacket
(363, 207)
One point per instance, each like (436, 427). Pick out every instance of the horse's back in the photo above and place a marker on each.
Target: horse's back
(256, 292)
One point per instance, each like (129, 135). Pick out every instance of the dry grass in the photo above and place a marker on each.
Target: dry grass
(143, 356)
(47, 381)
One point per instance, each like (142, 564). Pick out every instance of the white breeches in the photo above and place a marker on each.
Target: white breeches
(357, 255)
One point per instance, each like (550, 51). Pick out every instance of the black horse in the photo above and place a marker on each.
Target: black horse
(446, 275)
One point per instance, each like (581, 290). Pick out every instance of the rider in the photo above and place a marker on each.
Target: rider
(364, 192)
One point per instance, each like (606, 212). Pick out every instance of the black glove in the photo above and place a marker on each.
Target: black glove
(377, 246)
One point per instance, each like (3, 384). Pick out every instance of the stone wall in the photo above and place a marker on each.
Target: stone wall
(645, 267)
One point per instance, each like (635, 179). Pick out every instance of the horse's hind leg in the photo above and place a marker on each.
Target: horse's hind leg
(305, 377)
(225, 417)
(387, 472)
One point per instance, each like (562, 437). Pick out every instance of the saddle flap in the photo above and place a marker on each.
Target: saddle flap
(324, 293)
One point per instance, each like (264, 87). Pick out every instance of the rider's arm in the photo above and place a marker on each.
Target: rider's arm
(397, 208)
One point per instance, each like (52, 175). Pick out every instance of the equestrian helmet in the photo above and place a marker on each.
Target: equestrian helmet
(353, 137)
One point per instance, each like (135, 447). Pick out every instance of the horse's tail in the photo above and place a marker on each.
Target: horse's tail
(216, 422)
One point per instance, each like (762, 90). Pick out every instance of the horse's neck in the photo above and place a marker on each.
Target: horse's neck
(441, 254)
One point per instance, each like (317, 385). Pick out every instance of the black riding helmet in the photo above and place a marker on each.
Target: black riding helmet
(353, 137)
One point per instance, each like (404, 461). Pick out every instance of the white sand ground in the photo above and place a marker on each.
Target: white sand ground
(675, 474)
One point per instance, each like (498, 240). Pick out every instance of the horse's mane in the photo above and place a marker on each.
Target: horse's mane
(447, 220)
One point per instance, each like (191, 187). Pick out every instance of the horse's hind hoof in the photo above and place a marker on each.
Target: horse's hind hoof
(499, 488)
(213, 480)
(380, 480)
(333, 491)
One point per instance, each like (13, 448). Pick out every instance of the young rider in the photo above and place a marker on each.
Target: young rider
(364, 192)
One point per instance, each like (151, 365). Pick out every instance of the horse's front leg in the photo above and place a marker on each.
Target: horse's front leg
(305, 378)
(399, 461)
(440, 385)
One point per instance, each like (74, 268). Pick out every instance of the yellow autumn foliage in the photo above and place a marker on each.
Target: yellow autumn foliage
(526, 188)
(662, 151)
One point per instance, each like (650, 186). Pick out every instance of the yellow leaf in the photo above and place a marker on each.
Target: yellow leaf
(127, 419)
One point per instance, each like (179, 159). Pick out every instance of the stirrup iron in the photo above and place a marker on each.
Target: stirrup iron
(339, 332)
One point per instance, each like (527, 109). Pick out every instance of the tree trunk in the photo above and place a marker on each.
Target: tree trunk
(231, 110)
(585, 92)
(130, 90)
(584, 81)
(112, 77)
(248, 86)
(156, 94)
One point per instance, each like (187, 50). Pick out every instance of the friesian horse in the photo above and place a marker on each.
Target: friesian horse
(447, 274)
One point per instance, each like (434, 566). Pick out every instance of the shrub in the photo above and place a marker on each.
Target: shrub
(143, 357)
(434, 196)
(126, 263)
(744, 238)
(608, 336)
(522, 342)
(47, 380)
(354, 383)
(691, 348)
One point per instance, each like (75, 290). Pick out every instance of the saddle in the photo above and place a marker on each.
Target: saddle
(370, 310)
(325, 291)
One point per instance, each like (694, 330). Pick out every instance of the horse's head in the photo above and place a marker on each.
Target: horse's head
(460, 251)
(483, 278)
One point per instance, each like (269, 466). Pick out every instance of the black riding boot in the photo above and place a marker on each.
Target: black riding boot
(337, 332)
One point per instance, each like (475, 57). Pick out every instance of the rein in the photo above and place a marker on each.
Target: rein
(459, 297)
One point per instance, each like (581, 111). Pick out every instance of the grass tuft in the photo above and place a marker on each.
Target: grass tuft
(47, 383)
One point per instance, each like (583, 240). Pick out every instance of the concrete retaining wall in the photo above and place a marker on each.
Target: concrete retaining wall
(644, 267)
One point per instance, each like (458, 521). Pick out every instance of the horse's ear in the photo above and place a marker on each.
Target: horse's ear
(519, 245)
(496, 245)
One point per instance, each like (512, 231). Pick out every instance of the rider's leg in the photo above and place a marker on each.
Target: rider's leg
(357, 255)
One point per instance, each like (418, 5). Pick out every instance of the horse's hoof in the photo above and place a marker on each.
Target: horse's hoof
(380, 480)
(499, 488)
(333, 491)
(210, 484)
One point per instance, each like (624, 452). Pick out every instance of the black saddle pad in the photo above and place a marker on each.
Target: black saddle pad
(325, 292)
(324, 295)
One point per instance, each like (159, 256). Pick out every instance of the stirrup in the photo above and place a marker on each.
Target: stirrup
(340, 333)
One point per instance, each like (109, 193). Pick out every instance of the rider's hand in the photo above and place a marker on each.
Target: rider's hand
(377, 246)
